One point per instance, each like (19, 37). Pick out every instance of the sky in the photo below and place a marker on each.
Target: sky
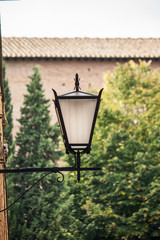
(81, 18)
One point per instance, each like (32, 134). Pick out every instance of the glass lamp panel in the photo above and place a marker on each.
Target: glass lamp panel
(78, 117)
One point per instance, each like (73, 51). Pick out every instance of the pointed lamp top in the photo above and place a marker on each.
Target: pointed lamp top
(77, 80)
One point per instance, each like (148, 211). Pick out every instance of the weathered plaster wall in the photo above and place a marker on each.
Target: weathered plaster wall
(57, 74)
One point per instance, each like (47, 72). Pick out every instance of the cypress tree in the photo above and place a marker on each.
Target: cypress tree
(8, 138)
(36, 146)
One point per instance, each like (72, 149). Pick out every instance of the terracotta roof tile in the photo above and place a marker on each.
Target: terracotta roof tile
(81, 47)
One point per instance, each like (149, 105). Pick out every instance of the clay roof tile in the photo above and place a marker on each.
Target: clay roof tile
(81, 47)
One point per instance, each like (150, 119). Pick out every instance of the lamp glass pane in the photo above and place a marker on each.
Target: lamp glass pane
(78, 117)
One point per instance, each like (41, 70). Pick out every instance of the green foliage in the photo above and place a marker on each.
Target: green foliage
(119, 202)
(37, 144)
(8, 110)
(122, 200)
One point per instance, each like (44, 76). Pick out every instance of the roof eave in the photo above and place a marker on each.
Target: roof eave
(80, 58)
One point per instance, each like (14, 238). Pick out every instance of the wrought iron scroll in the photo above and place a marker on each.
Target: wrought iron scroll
(62, 176)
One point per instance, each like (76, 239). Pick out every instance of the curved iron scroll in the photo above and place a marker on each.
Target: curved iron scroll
(62, 176)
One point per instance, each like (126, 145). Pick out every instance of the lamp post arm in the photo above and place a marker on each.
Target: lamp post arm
(49, 169)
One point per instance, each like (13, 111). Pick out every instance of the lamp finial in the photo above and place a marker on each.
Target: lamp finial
(77, 79)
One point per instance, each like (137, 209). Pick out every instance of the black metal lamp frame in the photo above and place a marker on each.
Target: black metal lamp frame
(69, 147)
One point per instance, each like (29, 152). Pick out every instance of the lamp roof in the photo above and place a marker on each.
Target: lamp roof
(77, 94)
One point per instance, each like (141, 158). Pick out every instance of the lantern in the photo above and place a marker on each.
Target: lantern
(77, 112)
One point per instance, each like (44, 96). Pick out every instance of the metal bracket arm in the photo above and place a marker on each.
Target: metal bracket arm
(51, 169)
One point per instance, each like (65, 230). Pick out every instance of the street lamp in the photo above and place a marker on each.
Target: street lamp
(77, 112)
